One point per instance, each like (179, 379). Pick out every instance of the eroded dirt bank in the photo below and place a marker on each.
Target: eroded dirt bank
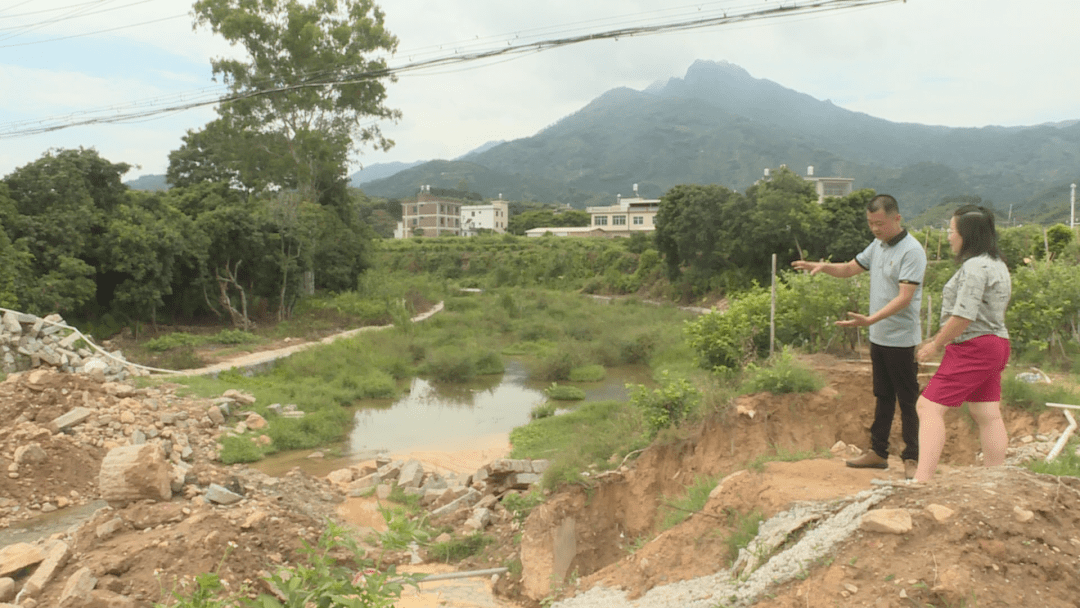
(596, 537)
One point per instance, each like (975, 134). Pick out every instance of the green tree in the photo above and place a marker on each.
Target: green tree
(147, 247)
(694, 228)
(300, 99)
(844, 231)
(13, 265)
(62, 204)
(1058, 238)
(783, 215)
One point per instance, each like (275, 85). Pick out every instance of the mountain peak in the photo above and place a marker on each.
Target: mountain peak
(709, 67)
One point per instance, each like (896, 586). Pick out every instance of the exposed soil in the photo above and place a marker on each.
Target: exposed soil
(983, 553)
(989, 552)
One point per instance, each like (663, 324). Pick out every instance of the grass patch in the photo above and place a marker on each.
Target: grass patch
(595, 435)
(782, 455)
(239, 448)
(521, 504)
(174, 340)
(564, 393)
(676, 511)
(744, 528)
(1066, 464)
(1033, 396)
(457, 549)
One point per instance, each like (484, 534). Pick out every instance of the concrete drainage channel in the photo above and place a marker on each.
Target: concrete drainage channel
(835, 522)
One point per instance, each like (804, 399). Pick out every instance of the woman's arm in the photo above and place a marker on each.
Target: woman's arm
(948, 332)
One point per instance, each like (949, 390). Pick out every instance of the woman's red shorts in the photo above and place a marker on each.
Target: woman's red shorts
(970, 371)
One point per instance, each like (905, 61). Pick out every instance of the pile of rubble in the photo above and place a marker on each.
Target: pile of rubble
(142, 463)
(30, 342)
(473, 498)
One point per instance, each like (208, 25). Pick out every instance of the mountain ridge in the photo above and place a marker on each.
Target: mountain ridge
(719, 124)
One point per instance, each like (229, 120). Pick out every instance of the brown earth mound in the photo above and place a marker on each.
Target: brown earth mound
(983, 553)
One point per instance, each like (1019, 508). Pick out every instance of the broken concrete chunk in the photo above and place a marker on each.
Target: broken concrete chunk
(77, 415)
(221, 495)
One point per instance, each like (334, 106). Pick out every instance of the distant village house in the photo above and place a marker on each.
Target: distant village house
(432, 215)
(626, 217)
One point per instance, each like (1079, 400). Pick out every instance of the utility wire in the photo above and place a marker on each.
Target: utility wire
(111, 29)
(49, 10)
(24, 128)
(23, 29)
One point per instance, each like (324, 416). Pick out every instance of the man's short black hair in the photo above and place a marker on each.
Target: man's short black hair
(883, 202)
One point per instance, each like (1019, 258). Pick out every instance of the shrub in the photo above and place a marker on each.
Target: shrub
(639, 348)
(325, 578)
(489, 364)
(557, 365)
(727, 340)
(173, 340)
(783, 374)
(543, 410)
(665, 406)
(449, 364)
(235, 336)
(181, 358)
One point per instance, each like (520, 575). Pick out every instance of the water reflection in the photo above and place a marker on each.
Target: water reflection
(445, 417)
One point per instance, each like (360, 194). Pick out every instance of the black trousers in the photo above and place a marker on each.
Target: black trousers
(896, 380)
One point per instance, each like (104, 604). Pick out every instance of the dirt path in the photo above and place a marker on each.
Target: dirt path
(264, 358)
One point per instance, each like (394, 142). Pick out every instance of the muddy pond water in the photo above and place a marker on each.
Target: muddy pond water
(447, 418)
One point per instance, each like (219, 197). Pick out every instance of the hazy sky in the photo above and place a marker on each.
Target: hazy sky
(960, 63)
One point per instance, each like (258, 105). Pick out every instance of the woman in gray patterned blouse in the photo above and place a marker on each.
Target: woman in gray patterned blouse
(975, 340)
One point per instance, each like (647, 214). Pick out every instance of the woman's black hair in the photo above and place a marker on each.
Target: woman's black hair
(976, 227)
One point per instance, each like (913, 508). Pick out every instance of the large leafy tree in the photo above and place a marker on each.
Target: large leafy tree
(148, 248)
(695, 226)
(13, 265)
(63, 202)
(844, 230)
(783, 216)
(302, 100)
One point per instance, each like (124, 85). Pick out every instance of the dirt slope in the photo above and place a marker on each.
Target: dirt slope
(1013, 538)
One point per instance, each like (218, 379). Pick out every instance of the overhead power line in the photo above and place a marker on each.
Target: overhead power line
(144, 110)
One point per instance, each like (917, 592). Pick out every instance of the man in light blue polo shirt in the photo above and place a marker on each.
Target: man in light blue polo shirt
(897, 263)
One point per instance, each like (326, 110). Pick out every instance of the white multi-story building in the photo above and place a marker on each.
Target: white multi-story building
(626, 216)
(829, 186)
(492, 216)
